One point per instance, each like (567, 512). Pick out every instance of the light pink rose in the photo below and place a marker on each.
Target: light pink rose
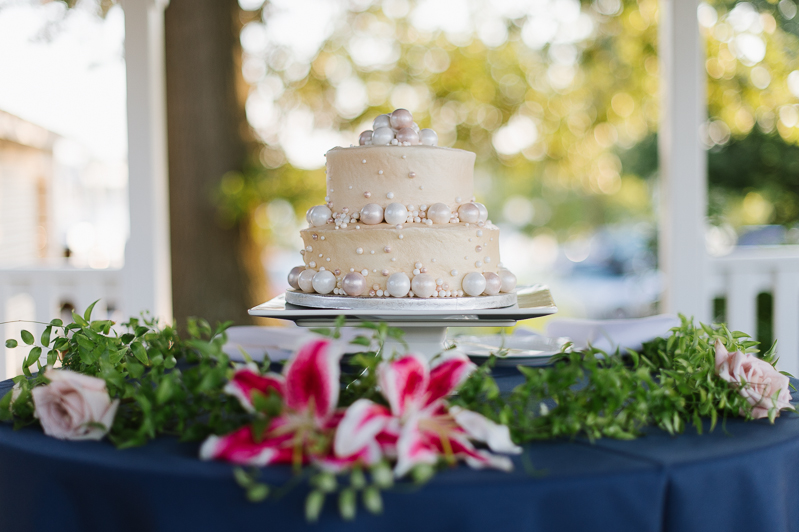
(763, 380)
(70, 406)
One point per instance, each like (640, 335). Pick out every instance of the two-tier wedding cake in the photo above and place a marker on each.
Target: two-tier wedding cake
(400, 220)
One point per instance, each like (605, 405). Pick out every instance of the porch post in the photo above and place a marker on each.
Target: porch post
(146, 276)
(683, 166)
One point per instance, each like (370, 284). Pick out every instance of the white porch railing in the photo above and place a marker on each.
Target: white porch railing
(749, 271)
(39, 295)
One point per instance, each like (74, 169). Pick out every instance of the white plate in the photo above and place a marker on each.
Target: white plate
(523, 348)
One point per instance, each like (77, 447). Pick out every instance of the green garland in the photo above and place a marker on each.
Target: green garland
(172, 385)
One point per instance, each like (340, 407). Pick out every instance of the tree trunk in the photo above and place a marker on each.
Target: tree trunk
(216, 271)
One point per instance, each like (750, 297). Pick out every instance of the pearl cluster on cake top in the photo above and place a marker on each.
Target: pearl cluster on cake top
(397, 129)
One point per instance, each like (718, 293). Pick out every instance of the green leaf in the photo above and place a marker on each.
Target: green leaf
(56, 322)
(325, 482)
(347, 504)
(78, 319)
(33, 356)
(164, 391)
(11, 344)
(27, 337)
(135, 369)
(372, 500)
(140, 353)
(46, 336)
(257, 492)
(52, 357)
(313, 505)
(357, 479)
(88, 314)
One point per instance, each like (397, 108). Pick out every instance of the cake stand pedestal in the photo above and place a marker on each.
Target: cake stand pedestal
(425, 325)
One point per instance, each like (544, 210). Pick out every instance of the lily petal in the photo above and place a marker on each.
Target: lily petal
(246, 380)
(404, 382)
(482, 429)
(413, 449)
(359, 427)
(312, 378)
(240, 447)
(452, 369)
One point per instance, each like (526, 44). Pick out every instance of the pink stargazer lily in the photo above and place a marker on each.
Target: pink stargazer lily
(309, 388)
(419, 427)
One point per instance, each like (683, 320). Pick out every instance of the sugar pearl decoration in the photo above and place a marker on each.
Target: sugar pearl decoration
(401, 119)
(324, 282)
(493, 283)
(407, 135)
(365, 138)
(381, 121)
(423, 285)
(359, 251)
(508, 281)
(439, 213)
(372, 214)
(396, 213)
(305, 280)
(453, 273)
(367, 194)
(319, 215)
(474, 284)
(382, 136)
(428, 137)
(398, 284)
(353, 284)
(483, 212)
(469, 212)
(411, 174)
(294, 276)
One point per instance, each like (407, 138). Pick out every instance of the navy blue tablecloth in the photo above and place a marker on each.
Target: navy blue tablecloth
(742, 479)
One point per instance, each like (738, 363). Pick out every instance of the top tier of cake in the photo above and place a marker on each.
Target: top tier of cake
(383, 175)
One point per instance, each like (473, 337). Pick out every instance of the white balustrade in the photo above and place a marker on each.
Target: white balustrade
(751, 270)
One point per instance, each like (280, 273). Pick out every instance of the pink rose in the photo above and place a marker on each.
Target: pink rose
(71, 406)
(762, 380)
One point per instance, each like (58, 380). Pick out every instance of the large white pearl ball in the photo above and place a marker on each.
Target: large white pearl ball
(382, 136)
(415, 127)
(319, 215)
(294, 277)
(305, 280)
(439, 213)
(474, 284)
(401, 118)
(508, 281)
(398, 284)
(469, 213)
(483, 212)
(371, 214)
(493, 283)
(408, 135)
(354, 284)
(381, 121)
(428, 137)
(365, 138)
(423, 285)
(324, 282)
(396, 213)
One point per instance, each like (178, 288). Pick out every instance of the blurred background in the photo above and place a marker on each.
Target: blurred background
(559, 99)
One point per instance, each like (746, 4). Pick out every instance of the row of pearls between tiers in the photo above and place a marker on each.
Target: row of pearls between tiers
(397, 213)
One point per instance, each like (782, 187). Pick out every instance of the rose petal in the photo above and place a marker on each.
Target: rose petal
(721, 352)
(451, 370)
(404, 382)
(240, 447)
(312, 378)
(482, 429)
(76, 379)
(246, 380)
(359, 427)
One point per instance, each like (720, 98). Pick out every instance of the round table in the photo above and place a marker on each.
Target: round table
(742, 478)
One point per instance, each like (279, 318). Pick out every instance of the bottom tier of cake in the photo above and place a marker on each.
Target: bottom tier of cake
(447, 260)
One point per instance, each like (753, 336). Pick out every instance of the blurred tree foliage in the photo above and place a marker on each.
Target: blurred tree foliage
(561, 107)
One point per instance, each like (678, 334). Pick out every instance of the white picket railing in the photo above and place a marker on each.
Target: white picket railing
(748, 271)
(39, 295)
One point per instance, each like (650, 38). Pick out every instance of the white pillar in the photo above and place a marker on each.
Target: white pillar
(146, 280)
(683, 164)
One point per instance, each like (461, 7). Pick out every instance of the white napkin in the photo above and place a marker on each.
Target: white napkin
(611, 334)
(278, 342)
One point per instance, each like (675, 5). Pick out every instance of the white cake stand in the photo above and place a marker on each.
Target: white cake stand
(425, 325)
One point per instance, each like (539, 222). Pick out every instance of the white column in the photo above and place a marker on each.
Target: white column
(146, 278)
(683, 166)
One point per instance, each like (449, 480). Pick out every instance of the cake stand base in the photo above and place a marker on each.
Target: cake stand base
(425, 329)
